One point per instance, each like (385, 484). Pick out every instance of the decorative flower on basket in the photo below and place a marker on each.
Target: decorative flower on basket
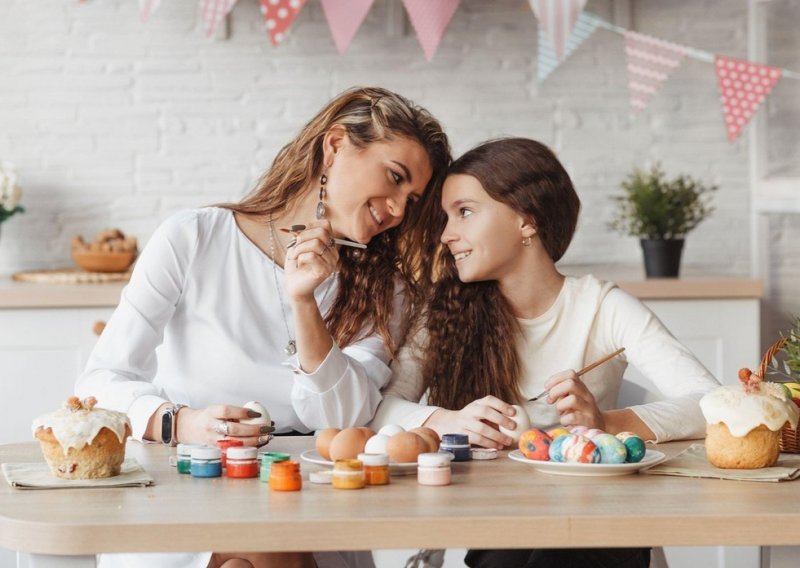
(787, 371)
(10, 191)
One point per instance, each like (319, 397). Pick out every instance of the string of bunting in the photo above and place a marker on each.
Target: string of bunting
(563, 27)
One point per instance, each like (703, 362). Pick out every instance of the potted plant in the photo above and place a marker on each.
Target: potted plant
(661, 212)
(10, 192)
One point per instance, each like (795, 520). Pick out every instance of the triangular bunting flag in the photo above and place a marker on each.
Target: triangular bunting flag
(743, 85)
(430, 20)
(546, 57)
(557, 18)
(344, 18)
(213, 11)
(147, 8)
(650, 63)
(278, 16)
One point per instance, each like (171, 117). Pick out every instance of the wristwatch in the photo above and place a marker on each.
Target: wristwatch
(169, 425)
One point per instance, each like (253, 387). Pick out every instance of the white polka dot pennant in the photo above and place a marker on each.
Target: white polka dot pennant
(743, 85)
(213, 11)
(430, 20)
(344, 18)
(278, 16)
(650, 63)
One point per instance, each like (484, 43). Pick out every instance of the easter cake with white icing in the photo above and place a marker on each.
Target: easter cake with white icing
(82, 441)
(744, 422)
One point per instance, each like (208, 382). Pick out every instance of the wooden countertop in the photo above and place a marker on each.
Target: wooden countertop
(491, 504)
(694, 285)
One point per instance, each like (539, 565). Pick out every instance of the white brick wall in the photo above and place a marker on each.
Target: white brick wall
(117, 123)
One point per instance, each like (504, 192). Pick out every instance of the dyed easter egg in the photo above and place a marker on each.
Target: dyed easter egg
(611, 449)
(592, 432)
(579, 449)
(555, 448)
(535, 444)
(634, 445)
(558, 431)
(577, 429)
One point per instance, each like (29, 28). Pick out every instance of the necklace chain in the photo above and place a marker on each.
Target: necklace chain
(291, 345)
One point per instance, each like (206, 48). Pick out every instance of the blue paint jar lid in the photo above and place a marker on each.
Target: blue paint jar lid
(455, 440)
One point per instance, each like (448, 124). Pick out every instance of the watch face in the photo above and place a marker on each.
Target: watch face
(166, 427)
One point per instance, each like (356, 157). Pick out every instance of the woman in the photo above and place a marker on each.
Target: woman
(241, 310)
(503, 324)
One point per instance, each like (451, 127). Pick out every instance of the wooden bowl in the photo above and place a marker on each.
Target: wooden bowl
(103, 261)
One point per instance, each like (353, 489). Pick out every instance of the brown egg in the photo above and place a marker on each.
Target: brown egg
(366, 432)
(429, 435)
(347, 444)
(323, 441)
(404, 447)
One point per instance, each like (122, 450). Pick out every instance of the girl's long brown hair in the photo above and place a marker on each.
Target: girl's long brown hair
(473, 335)
(365, 298)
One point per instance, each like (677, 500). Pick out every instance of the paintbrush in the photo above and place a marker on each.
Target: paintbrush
(300, 228)
(584, 370)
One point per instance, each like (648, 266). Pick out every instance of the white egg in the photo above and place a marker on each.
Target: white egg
(258, 407)
(522, 421)
(390, 430)
(376, 444)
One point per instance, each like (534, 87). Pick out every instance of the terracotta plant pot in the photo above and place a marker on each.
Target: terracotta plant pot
(662, 258)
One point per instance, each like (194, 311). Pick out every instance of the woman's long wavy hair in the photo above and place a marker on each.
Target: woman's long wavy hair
(473, 334)
(365, 298)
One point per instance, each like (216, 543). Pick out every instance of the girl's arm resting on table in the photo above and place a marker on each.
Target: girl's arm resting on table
(671, 367)
(122, 365)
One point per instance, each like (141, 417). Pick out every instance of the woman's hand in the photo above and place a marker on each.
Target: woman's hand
(209, 425)
(479, 420)
(575, 404)
(310, 260)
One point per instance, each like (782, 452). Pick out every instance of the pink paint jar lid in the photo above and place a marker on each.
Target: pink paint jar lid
(437, 459)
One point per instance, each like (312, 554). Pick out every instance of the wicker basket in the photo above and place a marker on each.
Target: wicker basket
(790, 440)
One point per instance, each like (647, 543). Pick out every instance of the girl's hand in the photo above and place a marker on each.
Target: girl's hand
(310, 260)
(208, 425)
(575, 404)
(479, 420)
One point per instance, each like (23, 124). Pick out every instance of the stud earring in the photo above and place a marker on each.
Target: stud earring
(526, 242)
(323, 179)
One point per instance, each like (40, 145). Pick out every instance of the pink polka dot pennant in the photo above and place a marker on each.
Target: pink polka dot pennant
(213, 11)
(278, 16)
(743, 85)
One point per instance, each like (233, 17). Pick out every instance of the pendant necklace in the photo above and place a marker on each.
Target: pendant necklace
(291, 345)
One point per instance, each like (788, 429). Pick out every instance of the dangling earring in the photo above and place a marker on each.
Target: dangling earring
(323, 179)
(526, 241)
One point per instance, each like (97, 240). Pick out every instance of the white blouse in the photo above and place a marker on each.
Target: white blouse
(589, 319)
(201, 323)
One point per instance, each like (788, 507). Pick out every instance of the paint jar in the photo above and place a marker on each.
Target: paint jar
(285, 476)
(376, 468)
(458, 445)
(242, 462)
(184, 462)
(226, 443)
(434, 468)
(206, 462)
(269, 458)
(348, 474)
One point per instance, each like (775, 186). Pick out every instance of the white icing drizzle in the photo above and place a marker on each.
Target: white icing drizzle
(77, 428)
(742, 411)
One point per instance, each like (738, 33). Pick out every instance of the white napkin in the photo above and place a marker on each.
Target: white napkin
(692, 462)
(38, 476)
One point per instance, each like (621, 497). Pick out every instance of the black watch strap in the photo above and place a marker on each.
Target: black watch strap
(169, 425)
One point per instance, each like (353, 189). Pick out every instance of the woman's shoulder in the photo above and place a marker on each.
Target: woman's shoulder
(588, 288)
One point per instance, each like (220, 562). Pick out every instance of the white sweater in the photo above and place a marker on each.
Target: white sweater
(200, 323)
(589, 319)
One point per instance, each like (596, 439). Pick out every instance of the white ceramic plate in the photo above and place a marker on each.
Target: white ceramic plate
(312, 456)
(651, 458)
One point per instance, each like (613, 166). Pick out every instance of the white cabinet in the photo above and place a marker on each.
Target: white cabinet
(42, 352)
(724, 335)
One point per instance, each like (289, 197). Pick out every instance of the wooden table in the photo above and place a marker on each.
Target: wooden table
(491, 504)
